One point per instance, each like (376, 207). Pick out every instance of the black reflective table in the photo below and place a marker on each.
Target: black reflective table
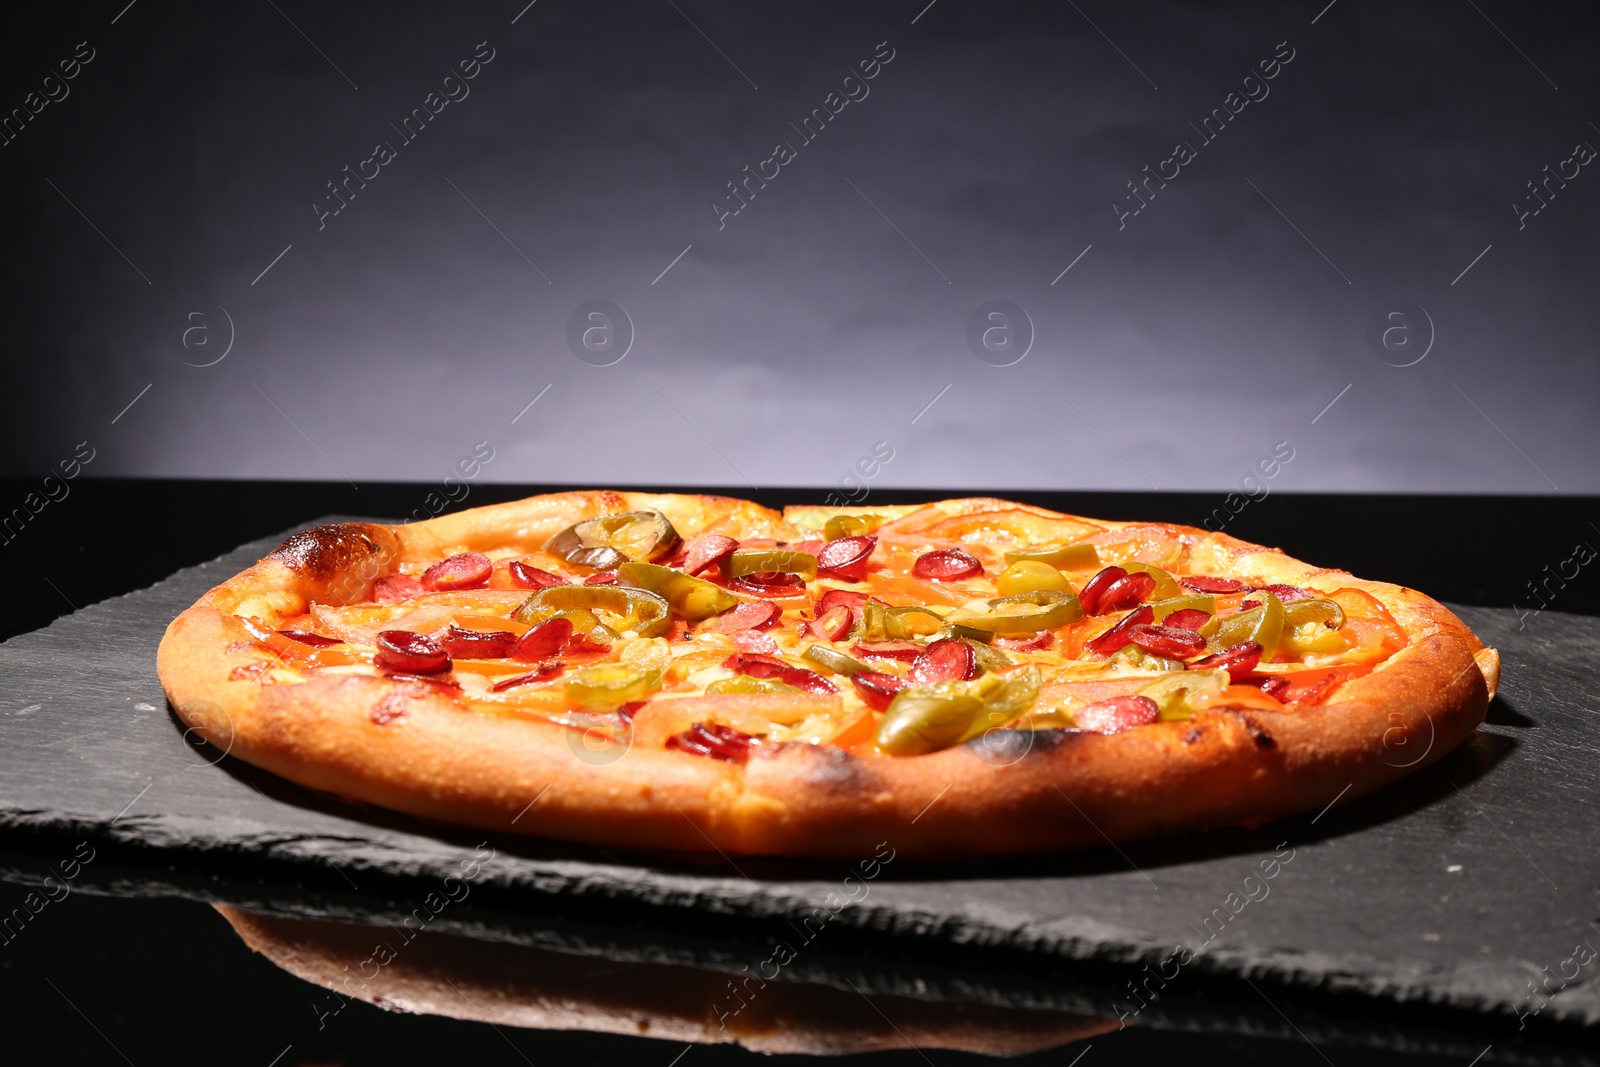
(129, 961)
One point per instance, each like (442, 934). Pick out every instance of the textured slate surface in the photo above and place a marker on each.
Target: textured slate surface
(1457, 888)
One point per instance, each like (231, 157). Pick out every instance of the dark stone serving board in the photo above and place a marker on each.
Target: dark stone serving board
(1454, 894)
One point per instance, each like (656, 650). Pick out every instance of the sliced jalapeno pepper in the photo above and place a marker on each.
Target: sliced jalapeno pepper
(1313, 627)
(611, 685)
(1007, 614)
(693, 598)
(603, 542)
(645, 613)
(926, 718)
(878, 624)
(918, 620)
(1131, 657)
(772, 561)
(1263, 625)
(1076, 557)
(835, 662)
(744, 683)
(1167, 586)
(1172, 693)
(850, 526)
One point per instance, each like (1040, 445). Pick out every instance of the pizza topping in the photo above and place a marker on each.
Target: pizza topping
(1030, 643)
(744, 683)
(948, 660)
(1042, 609)
(706, 551)
(903, 651)
(1287, 593)
(1274, 685)
(1174, 693)
(846, 558)
(714, 740)
(926, 718)
(1027, 576)
(749, 563)
(841, 526)
(1238, 661)
(759, 666)
(1201, 583)
(1118, 636)
(1188, 619)
(532, 577)
(464, 570)
(693, 598)
(751, 615)
(543, 640)
(410, 653)
(947, 565)
(477, 644)
(772, 584)
(755, 641)
(601, 578)
(1262, 624)
(393, 588)
(834, 598)
(602, 543)
(832, 660)
(1312, 626)
(877, 691)
(1091, 594)
(611, 684)
(834, 624)
(626, 608)
(1071, 557)
(1117, 714)
(543, 673)
(1169, 641)
(1127, 592)
(305, 637)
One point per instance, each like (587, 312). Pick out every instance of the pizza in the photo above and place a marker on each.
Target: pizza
(962, 678)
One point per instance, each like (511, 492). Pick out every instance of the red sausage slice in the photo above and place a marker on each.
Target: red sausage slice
(876, 690)
(410, 653)
(532, 577)
(1127, 592)
(755, 641)
(749, 615)
(707, 550)
(833, 625)
(305, 637)
(543, 641)
(1097, 586)
(544, 673)
(948, 660)
(947, 565)
(714, 740)
(770, 584)
(394, 588)
(1117, 637)
(1169, 641)
(1286, 593)
(601, 578)
(1275, 686)
(1238, 660)
(464, 570)
(842, 597)
(477, 644)
(1117, 714)
(1188, 619)
(1029, 643)
(846, 558)
(1201, 583)
(904, 651)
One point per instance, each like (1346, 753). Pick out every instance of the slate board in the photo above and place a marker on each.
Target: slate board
(1449, 892)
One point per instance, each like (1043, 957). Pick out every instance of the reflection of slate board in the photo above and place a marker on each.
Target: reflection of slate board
(1453, 889)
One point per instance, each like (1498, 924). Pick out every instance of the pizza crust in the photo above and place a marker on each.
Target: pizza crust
(1009, 792)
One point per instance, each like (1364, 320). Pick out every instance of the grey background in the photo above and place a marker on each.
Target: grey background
(1175, 352)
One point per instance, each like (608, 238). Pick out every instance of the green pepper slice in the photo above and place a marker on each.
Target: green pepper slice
(1197, 601)
(1074, 557)
(1167, 587)
(645, 613)
(1312, 627)
(611, 685)
(832, 661)
(1263, 625)
(693, 598)
(878, 623)
(1133, 658)
(1172, 693)
(926, 718)
(850, 526)
(1055, 609)
(743, 683)
(603, 542)
(772, 561)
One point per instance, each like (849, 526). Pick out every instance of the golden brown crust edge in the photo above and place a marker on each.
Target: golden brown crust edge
(1010, 793)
